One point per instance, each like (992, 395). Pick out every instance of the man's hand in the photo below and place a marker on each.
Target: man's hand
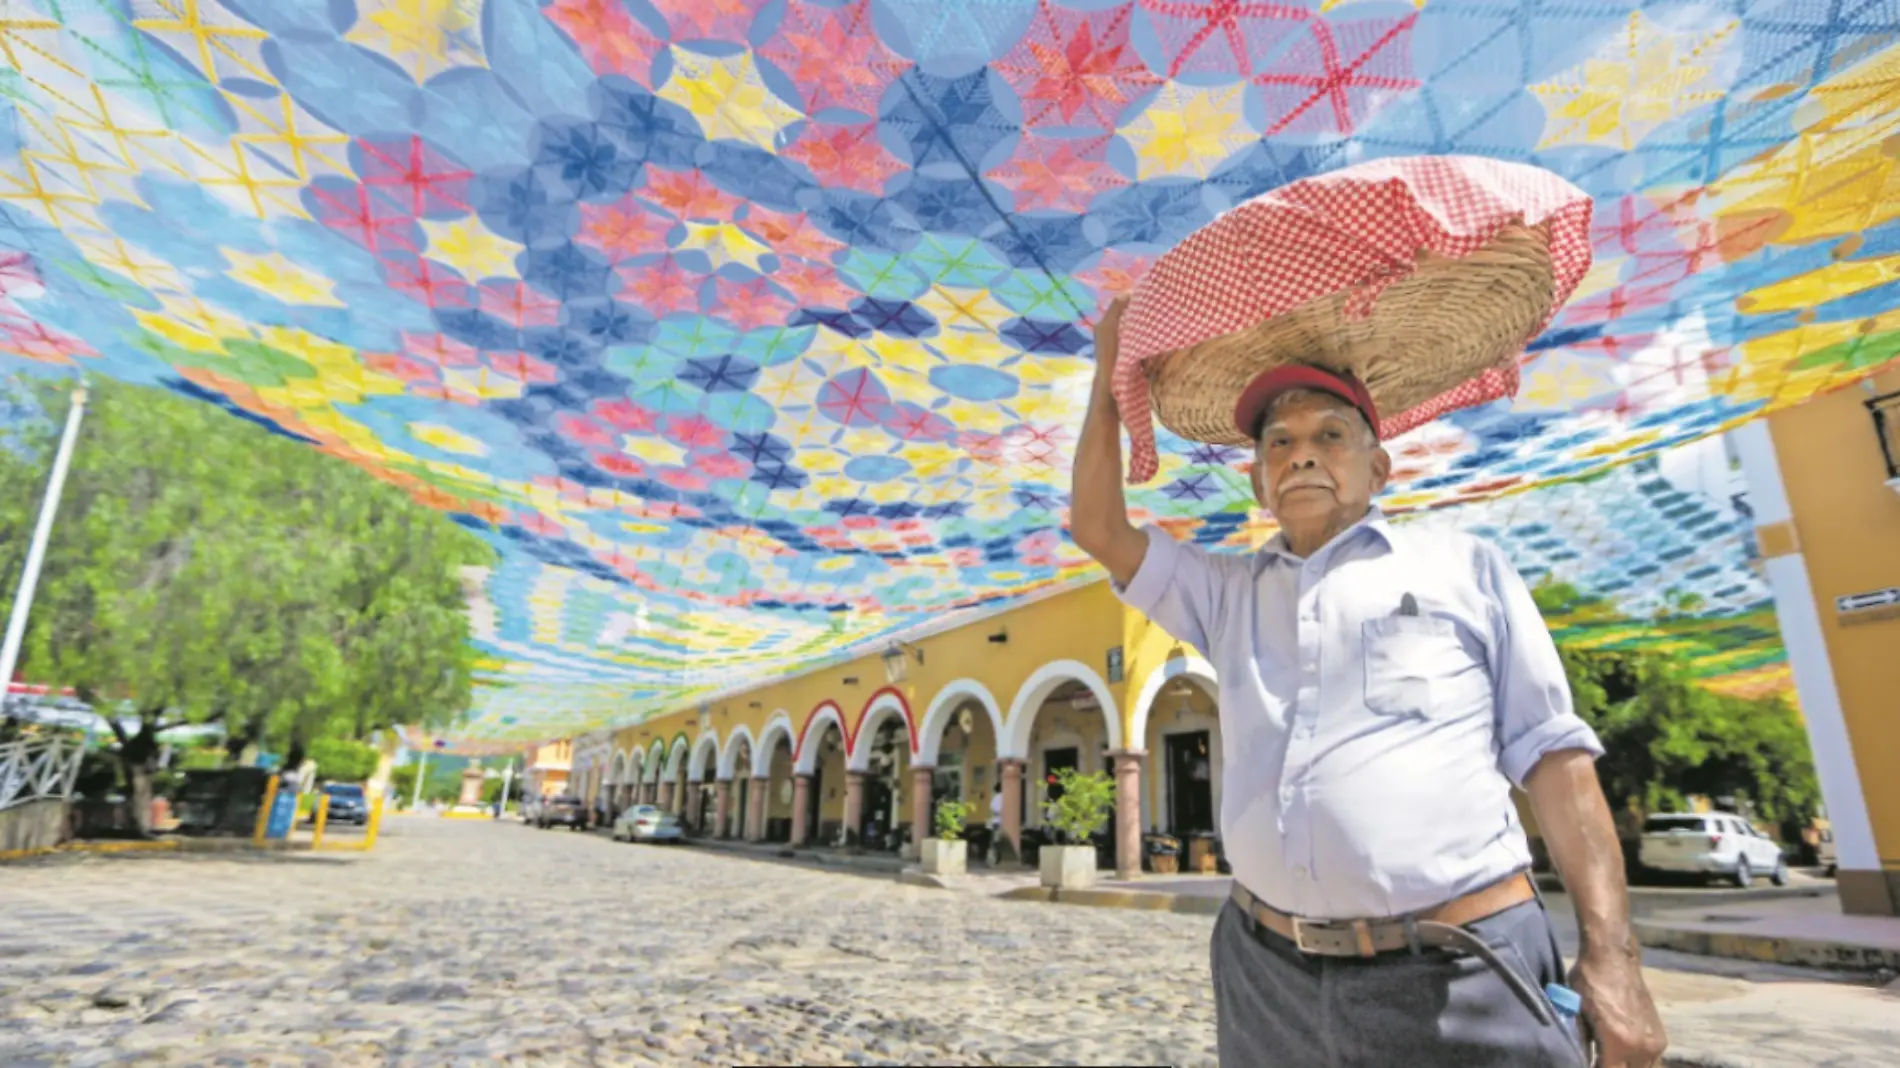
(1619, 1014)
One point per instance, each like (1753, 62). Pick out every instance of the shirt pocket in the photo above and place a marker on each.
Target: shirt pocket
(1404, 656)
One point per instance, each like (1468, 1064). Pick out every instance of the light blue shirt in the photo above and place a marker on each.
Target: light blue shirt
(1370, 738)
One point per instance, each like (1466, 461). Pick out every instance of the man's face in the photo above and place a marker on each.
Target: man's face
(1316, 467)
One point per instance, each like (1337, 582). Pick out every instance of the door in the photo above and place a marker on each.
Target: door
(1190, 783)
(1054, 760)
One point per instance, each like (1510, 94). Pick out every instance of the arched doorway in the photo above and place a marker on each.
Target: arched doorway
(775, 767)
(1178, 715)
(962, 738)
(674, 795)
(881, 750)
(821, 759)
(735, 768)
(1064, 716)
(702, 767)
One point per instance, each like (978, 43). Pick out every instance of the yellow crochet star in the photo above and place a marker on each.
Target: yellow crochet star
(1640, 79)
(1188, 130)
(728, 98)
(277, 276)
(471, 248)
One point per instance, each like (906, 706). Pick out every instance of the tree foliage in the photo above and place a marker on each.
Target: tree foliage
(204, 569)
(342, 760)
(1667, 738)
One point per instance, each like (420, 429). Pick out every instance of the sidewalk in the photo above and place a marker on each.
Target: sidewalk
(881, 863)
(114, 846)
(1809, 931)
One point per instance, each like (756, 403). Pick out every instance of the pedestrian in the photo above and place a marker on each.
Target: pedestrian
(1383, 688)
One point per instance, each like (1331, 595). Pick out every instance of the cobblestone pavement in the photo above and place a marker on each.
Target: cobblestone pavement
(480, 943)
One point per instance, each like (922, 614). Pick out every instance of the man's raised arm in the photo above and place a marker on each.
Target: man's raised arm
(1098, 512)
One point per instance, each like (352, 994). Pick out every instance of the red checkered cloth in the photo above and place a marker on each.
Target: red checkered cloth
(1360, 227)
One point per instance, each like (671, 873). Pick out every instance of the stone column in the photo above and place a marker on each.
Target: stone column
(1013, 768)
(722, 801)
(1128, 812)
(853, 806)
(666, 796)
(920, 782)
(755, 800)
(801, 800)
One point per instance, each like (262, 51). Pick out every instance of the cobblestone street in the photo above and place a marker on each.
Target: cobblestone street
(477, 943)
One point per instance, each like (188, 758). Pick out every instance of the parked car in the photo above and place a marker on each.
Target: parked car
(563, 811)
(348, 804)
(647, 823)
(531, 808)
(1712, 843)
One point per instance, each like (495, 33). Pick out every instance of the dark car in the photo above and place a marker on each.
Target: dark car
(348, 804)
(563, 811)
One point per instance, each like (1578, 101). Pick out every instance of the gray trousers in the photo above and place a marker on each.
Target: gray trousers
(1279, 1008)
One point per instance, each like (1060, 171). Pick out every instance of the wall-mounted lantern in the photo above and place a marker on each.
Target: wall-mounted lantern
(896, 666)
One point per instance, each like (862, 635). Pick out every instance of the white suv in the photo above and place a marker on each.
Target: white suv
(1711, 843)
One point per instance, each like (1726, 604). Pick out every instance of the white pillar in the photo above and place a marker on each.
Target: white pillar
(1801, 632)
(42, 533)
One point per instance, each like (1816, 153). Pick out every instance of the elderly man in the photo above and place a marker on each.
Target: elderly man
(1382, 689)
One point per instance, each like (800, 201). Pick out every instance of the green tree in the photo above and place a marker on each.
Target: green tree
(1666, 738)
(342, 760)
(205, 570)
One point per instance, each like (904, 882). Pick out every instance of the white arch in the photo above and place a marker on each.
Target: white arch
(1037, 688)
(705, 745)
(886, 704)
(948, 700)
(636, 767)
(779, 724)
(675, 757)
(730, 751)
(1191, 666)
(616, 767)
(807, 750)
(656, 756)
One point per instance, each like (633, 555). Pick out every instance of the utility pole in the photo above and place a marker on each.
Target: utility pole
(422, 772)
(42, 533)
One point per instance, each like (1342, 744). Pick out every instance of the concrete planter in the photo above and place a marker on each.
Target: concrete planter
(945, 858)
(1068, 867)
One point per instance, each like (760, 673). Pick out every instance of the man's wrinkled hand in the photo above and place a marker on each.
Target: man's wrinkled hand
(1620, 1016)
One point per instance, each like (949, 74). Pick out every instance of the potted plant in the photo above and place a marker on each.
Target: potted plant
(1080, 813)
(948, 853)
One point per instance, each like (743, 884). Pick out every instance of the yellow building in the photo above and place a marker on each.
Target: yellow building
(1826, 497)
(545, 768)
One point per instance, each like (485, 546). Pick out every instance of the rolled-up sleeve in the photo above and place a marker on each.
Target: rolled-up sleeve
(1535, 715)
(1178, 586)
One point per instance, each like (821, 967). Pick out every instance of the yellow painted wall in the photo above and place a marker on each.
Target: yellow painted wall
(1081, 624)
(1849, 530)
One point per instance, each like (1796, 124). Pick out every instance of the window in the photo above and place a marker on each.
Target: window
(1665, 824)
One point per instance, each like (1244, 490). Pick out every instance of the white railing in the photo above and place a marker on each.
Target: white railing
(38, 770)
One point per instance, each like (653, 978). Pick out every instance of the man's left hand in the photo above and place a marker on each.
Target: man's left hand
(1621, 1015)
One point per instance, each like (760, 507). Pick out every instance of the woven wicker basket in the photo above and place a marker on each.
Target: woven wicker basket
(1445, 323)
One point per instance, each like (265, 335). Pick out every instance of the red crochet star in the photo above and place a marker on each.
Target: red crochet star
(847, 157)
(1056, 173)
(1075, 67)
(835, 57)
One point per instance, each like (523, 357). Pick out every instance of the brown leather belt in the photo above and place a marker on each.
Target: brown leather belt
(1369, 938)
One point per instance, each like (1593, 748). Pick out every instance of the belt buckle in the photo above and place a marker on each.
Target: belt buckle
(1299, 935)
(1361, 931)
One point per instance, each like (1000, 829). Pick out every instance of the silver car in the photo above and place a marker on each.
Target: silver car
(647, 823)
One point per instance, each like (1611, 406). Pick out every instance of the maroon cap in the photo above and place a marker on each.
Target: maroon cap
(1270, 384)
